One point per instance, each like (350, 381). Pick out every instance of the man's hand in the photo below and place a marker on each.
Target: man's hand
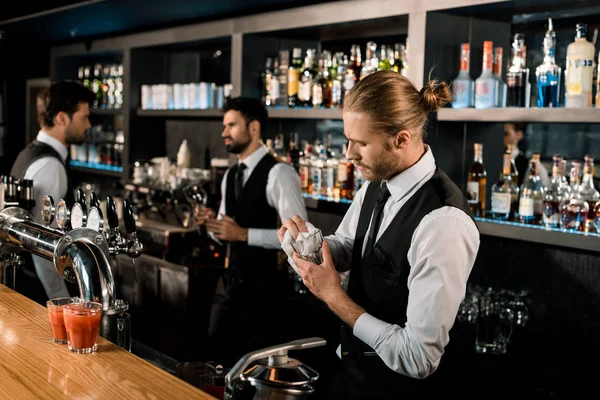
(294, 225)
(203, 214)
(227, 229)
(322, 280)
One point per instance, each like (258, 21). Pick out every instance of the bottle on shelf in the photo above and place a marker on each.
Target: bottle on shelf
(514, 172)
(345, 175)
(97, 86)
(304, 170)
(384, 61)
(531, 200)
(337, 85)
(485, 85)
(477, 182)
(371, 61)
(293, 77)
(293, 153)
(548, 72)
(274, 90)
(404, 57)
(579, 72)
(505, 193)
(500, 84)
(266, 80)
(574, 210)
(321, 91)
(284, 64)
(553, 196)
(462, 85)
(306, 78)
(588, 192)
(517, 76)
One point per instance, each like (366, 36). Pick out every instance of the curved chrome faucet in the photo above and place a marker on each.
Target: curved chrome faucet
(80, 256)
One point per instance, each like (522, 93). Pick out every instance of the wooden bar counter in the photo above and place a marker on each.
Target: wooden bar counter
(33, 367)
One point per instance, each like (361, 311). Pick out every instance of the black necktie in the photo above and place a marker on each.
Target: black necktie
(239, 180)
(382, 197)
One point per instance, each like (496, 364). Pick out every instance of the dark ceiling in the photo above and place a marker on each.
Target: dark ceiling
(63, 21)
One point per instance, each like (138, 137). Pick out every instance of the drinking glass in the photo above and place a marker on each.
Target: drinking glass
(55, 314)
(82, 322)
(310, 246)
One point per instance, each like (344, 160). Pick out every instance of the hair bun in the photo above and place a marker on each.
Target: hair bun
(435, 94)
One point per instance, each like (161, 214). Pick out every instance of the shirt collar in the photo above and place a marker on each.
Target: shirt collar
(253, 159)
(54, 143)
(402, 183)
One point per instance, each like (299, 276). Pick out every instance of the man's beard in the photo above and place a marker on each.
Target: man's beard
(237, 147)
(74, 138)
(384, 167)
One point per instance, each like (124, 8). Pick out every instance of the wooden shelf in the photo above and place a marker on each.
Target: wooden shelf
(540, 115)
(208, 113)
(305, 113)
(102, 111)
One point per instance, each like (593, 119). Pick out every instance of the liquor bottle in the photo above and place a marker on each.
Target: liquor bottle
(119, 87)
(284, 65)
(500, 84)
(304, 170)
(588, 192)
(274, 89)
(355, 65)
(477, 183)
(293, 77)
(485, 85)
(384, 62)
(514, 173)
(266, 79)
(97, 86)
(462, 85)
(574, 210)
(548, 73)
(293, 153)
(517, 75)
(531, 200)
(579, 72)
(404, 57)
(505, 193)
(306, 78)
(564, 183)
(87, 81)
(321, 91)
(371, 61)
(553, 196)
(337, 85)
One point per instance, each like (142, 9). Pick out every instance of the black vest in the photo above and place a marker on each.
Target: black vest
(252, 210)
(32, 152)
(378, 284)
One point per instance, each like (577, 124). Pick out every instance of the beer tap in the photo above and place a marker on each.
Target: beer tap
(134, 246)
(116, 242)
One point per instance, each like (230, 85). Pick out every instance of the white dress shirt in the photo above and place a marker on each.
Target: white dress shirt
(441, 255)
(49, 178)
(284, 193)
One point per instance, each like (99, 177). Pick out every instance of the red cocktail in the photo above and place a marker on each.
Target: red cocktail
(82, 323)
(55, 313)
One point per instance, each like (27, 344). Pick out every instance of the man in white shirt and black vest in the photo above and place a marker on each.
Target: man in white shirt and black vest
(63, 111)
(258, 192)
(409, 241)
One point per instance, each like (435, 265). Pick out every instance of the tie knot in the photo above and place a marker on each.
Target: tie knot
(242, 167)
(384, 193)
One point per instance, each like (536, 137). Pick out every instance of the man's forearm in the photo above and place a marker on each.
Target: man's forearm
(347, 310)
